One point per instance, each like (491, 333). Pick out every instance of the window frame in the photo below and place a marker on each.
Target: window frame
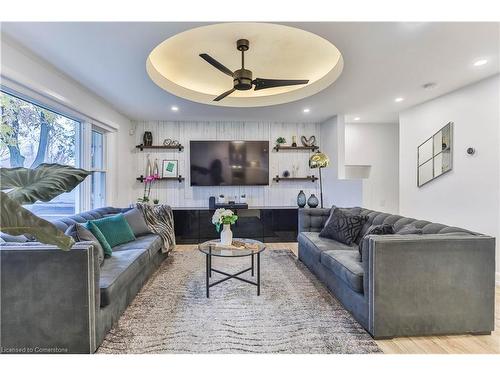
(83, 138)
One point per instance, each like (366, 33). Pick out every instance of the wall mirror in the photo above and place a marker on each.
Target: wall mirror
(435, 155)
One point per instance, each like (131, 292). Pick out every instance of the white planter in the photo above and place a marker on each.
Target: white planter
(226, 236)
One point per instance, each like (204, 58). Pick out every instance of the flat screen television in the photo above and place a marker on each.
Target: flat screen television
(229, 163)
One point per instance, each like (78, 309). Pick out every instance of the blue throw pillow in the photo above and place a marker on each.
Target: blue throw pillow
(115, 229)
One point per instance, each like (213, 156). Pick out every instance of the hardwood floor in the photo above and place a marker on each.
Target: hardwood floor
(457, 344)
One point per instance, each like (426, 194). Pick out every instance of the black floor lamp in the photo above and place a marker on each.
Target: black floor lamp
(319, 160)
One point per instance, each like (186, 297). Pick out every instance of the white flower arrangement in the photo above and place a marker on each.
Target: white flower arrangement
(223, 216)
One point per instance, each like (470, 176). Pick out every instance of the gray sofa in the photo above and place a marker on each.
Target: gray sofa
(436, 283)
(54, 301)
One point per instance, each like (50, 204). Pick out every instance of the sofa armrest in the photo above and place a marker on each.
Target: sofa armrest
(430, 284)
(49, 298)
(312, 219)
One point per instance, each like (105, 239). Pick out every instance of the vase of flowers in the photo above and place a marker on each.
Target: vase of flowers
(224, 218)
(148, 182)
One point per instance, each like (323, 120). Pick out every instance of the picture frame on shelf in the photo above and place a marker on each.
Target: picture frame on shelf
(170, 168)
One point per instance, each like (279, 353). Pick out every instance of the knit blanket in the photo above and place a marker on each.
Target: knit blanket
(160, 220)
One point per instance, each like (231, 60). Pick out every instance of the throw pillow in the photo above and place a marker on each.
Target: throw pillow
(135, 219)
(81, 234)
(115, 229)
(409, 229)
(100, 238)
(374, 229)
(343, 226)
(349, 210)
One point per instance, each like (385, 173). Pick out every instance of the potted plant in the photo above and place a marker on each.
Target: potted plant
(148, 182)
(280, 141)
(225, 218)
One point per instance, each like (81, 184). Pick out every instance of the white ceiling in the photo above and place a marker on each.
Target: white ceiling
(382, 61)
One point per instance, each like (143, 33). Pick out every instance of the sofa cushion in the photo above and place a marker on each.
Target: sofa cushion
(343, 226)
(316, 244)
(375, 229)
(82, 234)
(135, 219)
(409, 229)
(115, 229)
(100, 237)
(348, 210)
(346, 264)
(118, 272)
(151, 242)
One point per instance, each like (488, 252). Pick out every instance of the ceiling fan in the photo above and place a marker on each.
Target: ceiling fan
(242, 78)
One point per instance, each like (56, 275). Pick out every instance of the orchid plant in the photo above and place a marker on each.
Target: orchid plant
(148, 182)
(223, 216)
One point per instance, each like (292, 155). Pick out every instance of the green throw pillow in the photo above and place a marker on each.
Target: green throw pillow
(100, 237)
(115, 229)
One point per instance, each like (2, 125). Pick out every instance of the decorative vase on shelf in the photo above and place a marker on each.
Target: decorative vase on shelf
(149, 168)
(147, 139)
(301, 199)
(312, 201)
(156, 169)
(226, 235)
(294, 142)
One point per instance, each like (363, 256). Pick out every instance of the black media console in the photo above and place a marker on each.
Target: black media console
(266, 224)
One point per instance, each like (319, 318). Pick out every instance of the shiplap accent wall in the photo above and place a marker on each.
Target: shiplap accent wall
(183, 195)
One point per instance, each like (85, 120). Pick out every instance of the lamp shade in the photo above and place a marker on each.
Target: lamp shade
(318, 160)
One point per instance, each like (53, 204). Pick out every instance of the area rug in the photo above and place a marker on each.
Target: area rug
(295, 313)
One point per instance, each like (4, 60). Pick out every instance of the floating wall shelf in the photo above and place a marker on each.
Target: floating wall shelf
(178, 147)
(307, 178)
(180, 178)
(307, 148)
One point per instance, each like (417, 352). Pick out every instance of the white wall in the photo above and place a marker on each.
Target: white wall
(337, 190)
(376, 145)
(469, 195)
(28, 74)
(183, 195)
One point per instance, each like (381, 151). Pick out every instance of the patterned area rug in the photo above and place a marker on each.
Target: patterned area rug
(294, 313)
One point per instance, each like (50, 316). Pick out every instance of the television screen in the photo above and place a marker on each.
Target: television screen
(229, 163)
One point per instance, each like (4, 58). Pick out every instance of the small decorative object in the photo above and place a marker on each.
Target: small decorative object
(147, 139)
(312, 201)
(294, 141)
(225, 218)
(320, 161)
(221, 199)
(174, 143)
(308, 142)
(156, 201)
(280, 141)
(167, 142)
(169, 168)
(286, 173)
(301, 199)
(243, 198)
(149, 168)
(148, 183)
(435, 155)
(295, 170)
(156, 169)
(471, 151)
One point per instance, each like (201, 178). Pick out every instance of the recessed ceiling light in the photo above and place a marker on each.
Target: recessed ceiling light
(306, 110)
(397, 100)
(174, 108)
(357, 118)
(481, 62)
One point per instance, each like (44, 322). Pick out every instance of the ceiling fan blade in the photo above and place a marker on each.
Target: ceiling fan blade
(222, 96)
(263, 83)
(216, 64)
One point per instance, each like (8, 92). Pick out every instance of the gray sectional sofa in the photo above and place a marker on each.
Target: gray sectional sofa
(439, 282)
(68, 301)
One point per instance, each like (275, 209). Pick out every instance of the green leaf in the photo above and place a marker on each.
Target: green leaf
(17, 220)
(43, 183)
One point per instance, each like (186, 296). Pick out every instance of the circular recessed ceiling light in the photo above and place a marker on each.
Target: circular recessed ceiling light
(174, 108)
(184, 64)
(480, 62)
(306, 110)
(398, 100)
(357, 118)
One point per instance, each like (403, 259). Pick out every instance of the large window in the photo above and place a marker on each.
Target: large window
(31, 134)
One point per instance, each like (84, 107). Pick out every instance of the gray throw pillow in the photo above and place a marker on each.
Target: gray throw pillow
(343, 226)
(135, 219)
(349, 210)
(82, 234)
(374, 229)
(409, 229)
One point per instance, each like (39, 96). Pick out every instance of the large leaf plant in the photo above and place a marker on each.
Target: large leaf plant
(26, 186)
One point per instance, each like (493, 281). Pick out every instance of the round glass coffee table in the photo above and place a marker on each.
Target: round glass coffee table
(241, 247)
